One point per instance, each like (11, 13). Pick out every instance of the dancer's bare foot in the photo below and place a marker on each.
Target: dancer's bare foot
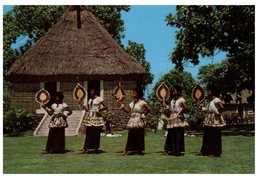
(125, 153)
(165, 153)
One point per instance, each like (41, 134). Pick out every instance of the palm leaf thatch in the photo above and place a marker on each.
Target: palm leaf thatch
(70, 51)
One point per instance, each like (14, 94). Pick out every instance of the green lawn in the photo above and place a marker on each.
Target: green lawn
(23, 155)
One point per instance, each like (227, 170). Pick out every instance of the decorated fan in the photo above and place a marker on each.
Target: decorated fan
(79, 92)
(163, 92)
(42, 96)
(198, 93)
(118, 92)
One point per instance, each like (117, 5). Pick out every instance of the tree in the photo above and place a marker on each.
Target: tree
(223, 74)
(110, 18)
(217, 74)
(206, 30)
(138, 51)
(173, 77)
(32, 22)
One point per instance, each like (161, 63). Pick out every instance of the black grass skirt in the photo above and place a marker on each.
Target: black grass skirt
(212, 144)
(92, 139)
(174, 143)
(56, 140)
(135, 140)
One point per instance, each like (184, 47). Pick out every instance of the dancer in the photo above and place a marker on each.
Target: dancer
(57, 125)
(138, 109)
(93, 121)
(212, 142)
(174, 143)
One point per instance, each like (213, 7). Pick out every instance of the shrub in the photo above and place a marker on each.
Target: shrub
(151, 122)
(16, 119)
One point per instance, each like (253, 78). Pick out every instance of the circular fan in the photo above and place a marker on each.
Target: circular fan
(198, 93)
(118, 92)
(79, 92)
(163, 92)
(42, 96)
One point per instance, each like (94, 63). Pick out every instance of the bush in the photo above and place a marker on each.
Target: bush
(7, 100)
(151, 122)
(196, 118)
(16, 119)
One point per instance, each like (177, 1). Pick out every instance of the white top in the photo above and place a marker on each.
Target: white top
(95, 104)
(213, 117)
(176, 120)
(212, 106)
(58, 121)
(136, 120)
(137, 107)
(176, 105)
(58, 108)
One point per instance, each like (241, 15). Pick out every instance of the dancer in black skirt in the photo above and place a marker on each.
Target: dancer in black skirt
(94, 122)
(138, 110)
(212, 143)
(174, 144)
(57, 125)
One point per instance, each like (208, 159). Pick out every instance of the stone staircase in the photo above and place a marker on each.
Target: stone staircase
(74, 121)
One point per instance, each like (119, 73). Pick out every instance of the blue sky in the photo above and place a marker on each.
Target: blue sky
(146, 24)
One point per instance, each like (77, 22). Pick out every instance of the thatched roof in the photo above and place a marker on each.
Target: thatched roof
(69, 53)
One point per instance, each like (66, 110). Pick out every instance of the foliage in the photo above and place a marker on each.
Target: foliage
(29, 21)
(7, 102)
(26, 22)
(171, 78)
(151, 122)
(194, 114)
(110, 18)
(197, 117)
(16, 119)
(32, 22)
(207, 29)
(216, 74)
(138, 51)
(226, 76)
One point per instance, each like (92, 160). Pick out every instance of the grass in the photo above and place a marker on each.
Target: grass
(23, 155)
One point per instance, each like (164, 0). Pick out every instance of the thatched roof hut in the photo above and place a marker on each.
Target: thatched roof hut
(75, 49)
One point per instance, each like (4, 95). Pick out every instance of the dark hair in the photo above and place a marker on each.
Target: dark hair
(214, 89)
(139, 92)
(92, 89)
(60, 95)
(178, 88)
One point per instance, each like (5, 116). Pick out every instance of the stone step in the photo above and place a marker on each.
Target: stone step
(73, 122)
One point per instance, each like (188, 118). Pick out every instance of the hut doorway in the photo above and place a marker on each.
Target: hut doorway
(94, 84)
(51, 87)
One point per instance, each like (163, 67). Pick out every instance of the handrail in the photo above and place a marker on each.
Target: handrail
(79, 125)
(40, 124)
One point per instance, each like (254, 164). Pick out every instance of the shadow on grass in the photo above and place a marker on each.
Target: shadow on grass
(92, 152)
(133, 153)
(239, 129)
(66, 151)
(247, 133)
(247, 130)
